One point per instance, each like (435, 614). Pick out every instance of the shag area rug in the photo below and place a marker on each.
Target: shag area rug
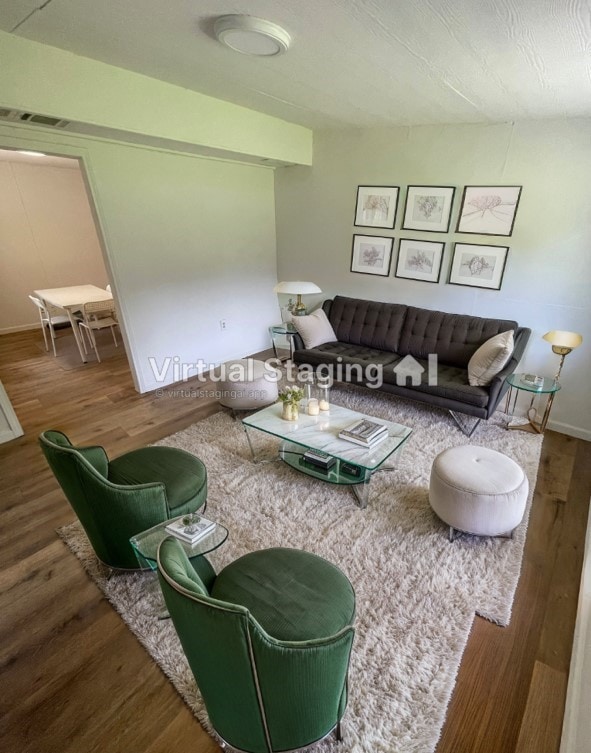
(417, 594)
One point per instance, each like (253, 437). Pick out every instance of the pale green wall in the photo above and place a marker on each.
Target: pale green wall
(43, 79)
(546, 282)
(189, 241)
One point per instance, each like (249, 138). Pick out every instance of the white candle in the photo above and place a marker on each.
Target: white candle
(313, 407)
(324, 405)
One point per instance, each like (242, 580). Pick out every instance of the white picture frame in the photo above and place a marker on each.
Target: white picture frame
(478, 266)
(488, 210)
(376, 206)
(371, 255)
(419, 260)
(428, 208)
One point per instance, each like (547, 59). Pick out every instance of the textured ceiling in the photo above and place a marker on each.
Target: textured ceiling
(352, 62)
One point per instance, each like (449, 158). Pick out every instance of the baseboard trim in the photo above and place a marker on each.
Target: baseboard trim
(20, 328)
(572, 431)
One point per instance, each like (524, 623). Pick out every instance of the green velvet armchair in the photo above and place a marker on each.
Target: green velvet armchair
(268, 641)
(115, 499)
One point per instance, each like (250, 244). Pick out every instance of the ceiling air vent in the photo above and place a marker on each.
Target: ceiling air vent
(7, 114)
(45, 120)
(31, 117)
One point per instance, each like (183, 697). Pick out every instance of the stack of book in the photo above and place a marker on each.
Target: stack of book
(190, 531)
(365, 432)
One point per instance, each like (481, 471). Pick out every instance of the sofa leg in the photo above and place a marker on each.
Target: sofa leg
(468, 431)
(338, 732)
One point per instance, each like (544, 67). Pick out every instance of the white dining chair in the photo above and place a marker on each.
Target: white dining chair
(96, 316)
(51, 318)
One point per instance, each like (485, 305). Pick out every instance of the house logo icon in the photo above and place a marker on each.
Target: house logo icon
(410, 367)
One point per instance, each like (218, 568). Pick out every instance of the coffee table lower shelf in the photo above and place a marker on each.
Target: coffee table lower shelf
(293, 455)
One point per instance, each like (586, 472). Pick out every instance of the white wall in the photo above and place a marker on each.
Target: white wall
(47, 237)
(189, 241)
(546, 282)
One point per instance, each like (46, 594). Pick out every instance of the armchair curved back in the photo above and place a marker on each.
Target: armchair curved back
(262, 694)
(109, 513)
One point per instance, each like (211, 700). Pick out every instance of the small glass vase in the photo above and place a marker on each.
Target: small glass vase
(323, 391)
(291, 411)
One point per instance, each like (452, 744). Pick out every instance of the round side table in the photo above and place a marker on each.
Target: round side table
(547, 387)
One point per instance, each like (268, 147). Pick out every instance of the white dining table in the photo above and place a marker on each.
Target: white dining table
(71, 299)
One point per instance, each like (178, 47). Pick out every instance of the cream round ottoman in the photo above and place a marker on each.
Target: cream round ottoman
(247, 384)
(479, 491)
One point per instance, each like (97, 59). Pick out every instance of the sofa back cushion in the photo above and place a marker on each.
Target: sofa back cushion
(453, 337)
(368, 323)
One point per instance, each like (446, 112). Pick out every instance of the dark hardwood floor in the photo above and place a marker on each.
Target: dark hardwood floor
(75, 680)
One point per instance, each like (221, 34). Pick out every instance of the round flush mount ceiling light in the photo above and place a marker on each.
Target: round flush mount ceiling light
(251, 36)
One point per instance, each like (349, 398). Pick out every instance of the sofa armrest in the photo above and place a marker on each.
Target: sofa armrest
(298, 343)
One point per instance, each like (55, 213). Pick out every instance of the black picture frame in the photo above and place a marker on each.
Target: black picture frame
(417, 267)
(441, 203)
(371, 255)
(476, 268)
(485, 209)
(376, 206)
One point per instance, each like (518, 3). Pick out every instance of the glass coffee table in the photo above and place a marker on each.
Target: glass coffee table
(354, 465)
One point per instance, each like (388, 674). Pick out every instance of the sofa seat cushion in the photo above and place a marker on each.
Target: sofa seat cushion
(183, 475)
(329, 353)
(452, 382)
(292, 594)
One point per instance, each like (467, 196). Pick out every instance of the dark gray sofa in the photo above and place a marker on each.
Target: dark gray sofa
(370, 332)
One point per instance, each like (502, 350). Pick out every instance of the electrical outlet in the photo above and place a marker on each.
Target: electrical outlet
(222, 324)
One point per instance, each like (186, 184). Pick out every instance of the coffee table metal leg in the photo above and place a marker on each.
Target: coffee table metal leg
(361, 491)
(252, 452)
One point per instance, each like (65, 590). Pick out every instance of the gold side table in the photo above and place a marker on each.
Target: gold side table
(517, 384)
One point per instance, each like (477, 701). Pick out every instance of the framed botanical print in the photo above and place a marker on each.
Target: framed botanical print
(371, 255)
(419, 260)
(428, 208)
(478, 266)
(376, 206)
(488, 210)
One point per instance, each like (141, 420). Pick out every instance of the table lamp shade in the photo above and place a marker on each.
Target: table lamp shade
(296, 288)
